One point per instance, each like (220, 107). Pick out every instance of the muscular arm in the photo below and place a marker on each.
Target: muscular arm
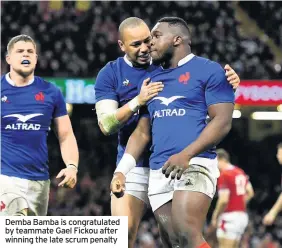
(277, 207)
(136, 145)
(139, 139)
(110, 117)
(249, 192)
(67, 140)
(215, 131)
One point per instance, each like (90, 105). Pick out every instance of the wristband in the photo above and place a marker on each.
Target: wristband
(134, 104)
(126, 163)
(72, 166)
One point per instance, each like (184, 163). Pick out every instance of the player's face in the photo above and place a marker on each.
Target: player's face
(136, 44)
(162, 43)
(22, 58)
(279, 155)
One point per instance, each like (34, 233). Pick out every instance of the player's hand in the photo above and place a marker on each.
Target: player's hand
(118, 184)
(148, 91)
(232, 76)
(70, 177)
(269, 219)
(176, 165)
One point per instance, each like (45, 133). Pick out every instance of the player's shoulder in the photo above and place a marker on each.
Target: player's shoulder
(209, 65)
(224, 173)
(3, 79)
(239, 170)
(112, 66)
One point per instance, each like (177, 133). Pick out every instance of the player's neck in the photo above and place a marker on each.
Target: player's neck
(177, 56)
(227, 166)
(19, 80)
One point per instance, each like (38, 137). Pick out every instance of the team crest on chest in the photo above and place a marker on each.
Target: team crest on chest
(126, 83)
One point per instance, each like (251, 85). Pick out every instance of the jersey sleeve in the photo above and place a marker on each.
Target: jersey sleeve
(105, 85)
(218, 89)
(60, 108)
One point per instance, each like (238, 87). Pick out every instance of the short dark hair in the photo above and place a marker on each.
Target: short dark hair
(21, 37)
(222, 154)
(279, 146)
(176, 21)
(129, 22)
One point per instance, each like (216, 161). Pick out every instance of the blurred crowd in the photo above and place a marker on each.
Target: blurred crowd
(270, 11)
(76, 39)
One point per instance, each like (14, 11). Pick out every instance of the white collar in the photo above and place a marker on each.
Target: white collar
(185, 59)
(10, 81)
(129, 63)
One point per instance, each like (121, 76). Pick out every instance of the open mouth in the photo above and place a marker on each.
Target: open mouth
(145, 57)
(25, 62)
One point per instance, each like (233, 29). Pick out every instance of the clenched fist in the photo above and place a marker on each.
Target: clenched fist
(118, 184)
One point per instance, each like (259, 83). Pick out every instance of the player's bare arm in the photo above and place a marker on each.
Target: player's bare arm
(232, 76)
(249, 192)
(270, 217)
(111, 118)
(69, 151)
(136, 145)
(223, 199)
(213, 133)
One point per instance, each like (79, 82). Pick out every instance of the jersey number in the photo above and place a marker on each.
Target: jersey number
(240, 182)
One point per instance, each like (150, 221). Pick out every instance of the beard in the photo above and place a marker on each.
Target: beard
(23, 73)
(163, 56)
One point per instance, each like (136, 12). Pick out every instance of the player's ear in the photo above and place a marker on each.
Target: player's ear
(8, 59)
(177, 40)
(36, 58)
(121, 45)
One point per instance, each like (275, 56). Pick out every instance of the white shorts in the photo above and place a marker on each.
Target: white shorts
(136, 183)
(17, 194)
(201, 176)
(232, 225)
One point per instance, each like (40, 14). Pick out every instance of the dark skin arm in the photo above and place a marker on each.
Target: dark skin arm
(139, 139)
(214, 132)
(136, 145)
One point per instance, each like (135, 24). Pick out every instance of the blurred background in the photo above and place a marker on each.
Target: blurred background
(75, 39)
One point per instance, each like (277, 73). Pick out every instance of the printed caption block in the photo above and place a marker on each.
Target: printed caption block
(55, 231)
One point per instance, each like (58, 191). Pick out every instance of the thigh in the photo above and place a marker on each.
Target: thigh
(193, 195)
(223, 243)
(189, 208)
(163, 217)
(189, 211)
(38, 197)
(130, 206)
(191, 201)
